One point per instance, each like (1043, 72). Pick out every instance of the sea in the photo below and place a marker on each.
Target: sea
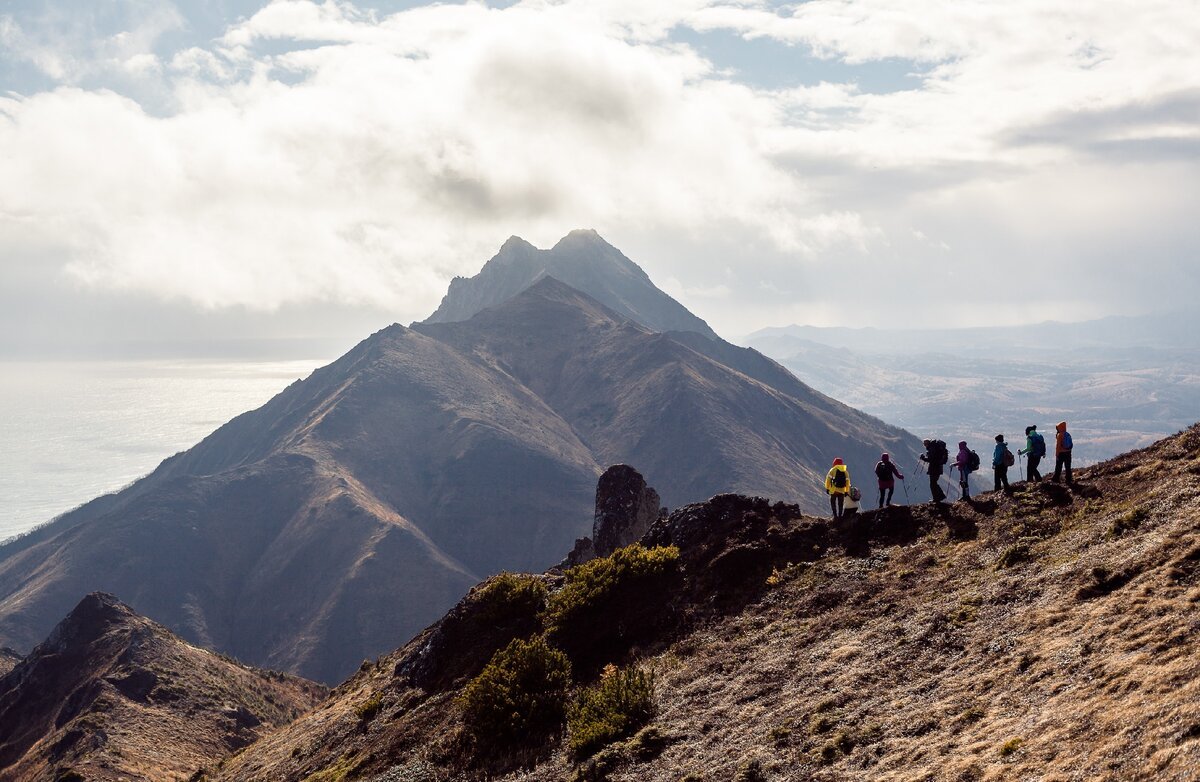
(71, 431)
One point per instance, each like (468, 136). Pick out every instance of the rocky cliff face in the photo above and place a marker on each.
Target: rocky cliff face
(625, 509)
(1042, 634)
(110, 695)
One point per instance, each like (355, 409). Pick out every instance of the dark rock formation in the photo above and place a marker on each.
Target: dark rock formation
(625, 509)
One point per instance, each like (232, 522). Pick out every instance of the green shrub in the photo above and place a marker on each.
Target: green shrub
(1009, 747)
(508, 596)
(1021, 551)
(367, 710)
(620, 703)
(1127, 522)
(519, 698)
(608, 602)
(750, 771)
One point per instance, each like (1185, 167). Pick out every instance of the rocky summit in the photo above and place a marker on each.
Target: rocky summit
(1044, 634)
(358, 505)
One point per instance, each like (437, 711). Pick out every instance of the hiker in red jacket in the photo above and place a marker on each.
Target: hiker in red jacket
(887, 474)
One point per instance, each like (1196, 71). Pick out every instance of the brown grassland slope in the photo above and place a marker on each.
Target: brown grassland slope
(112, 696)
(1050, 635)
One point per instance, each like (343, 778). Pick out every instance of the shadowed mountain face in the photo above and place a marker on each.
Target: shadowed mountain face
(582, 260)
(111, 695)
(352, 509)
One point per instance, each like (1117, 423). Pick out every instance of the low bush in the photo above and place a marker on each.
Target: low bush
(510, 596)
(368, 709)
(609, 602)
(519, 698)
(620, 703)
(1127, 522)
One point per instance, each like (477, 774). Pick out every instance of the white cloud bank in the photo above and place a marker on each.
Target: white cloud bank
(319, 152)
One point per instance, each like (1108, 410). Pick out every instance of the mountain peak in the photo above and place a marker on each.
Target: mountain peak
(583, 237)
(94, 617)
(582, 260)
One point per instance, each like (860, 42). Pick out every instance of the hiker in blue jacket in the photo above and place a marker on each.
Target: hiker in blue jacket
(1001, 461)
(1035, 449)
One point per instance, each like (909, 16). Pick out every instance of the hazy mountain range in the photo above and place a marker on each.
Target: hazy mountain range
(352, 509)
(1120, 382)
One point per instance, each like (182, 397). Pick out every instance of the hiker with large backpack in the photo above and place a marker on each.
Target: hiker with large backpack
(887, 473)
(935, 457)
(837, 485)
(1062, 451)
(853, 502)
(1002, 459)
(967, 462)
(1035, 449)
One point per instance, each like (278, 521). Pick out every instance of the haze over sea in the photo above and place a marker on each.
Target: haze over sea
(72, 431)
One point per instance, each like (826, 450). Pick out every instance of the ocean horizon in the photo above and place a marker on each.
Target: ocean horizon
(74, 430)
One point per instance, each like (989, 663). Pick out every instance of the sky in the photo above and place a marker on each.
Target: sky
(223, 173)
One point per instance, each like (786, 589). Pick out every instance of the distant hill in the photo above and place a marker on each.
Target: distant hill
(1121, 382)
(1046, 634)
(112, 696)
(351, 510)
(581, 259)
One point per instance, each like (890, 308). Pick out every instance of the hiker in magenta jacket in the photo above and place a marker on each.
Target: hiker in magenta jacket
(887, 474)
(1062, 451)
(963, 463)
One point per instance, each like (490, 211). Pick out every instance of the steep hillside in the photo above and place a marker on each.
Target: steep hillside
(112, 696)
(582, 260)
(355, 507)
(1046, 634)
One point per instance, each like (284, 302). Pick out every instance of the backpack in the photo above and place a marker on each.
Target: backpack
(883, 471)
(938, 453)
(1067, 444)
(1008, 458)
(839, 479)
(855, 494)
(973, 462)
(1039, 444)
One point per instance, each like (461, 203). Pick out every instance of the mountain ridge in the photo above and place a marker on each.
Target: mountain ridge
(111, 695)
(1046, 632)
(388, 482)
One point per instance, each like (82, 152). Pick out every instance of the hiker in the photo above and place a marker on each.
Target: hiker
(887, 473)
(1002, 459)
(1035, 448)
(935, 457)
(853, 499)
(967, 462)
(837, 484)
(1062, 451)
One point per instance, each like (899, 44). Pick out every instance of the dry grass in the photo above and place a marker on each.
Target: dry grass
(906, 659)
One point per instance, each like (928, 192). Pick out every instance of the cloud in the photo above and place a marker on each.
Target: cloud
(324, 152)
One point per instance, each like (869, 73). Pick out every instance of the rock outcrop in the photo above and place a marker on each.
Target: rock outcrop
(625, 509)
